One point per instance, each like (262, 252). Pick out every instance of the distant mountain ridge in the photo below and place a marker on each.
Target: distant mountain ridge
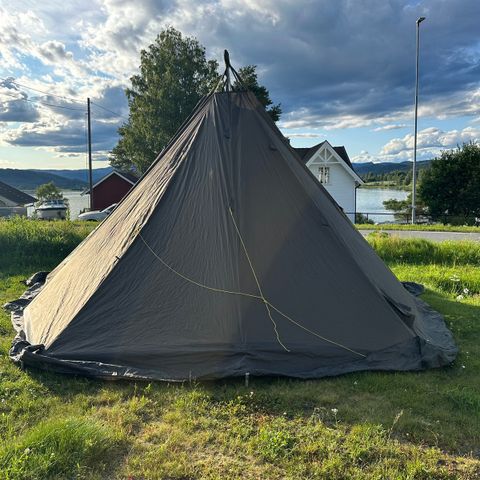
(387, 167)
(31, 179)
(65, 179)
(81, 174)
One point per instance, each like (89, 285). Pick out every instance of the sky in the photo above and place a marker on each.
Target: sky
(343, 71)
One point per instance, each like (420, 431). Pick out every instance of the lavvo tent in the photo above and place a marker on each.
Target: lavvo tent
(226, 258)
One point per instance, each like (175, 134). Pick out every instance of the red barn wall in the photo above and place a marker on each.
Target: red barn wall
(111, 190)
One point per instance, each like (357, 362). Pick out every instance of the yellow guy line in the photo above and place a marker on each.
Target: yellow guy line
(267, 304)
(213, 289)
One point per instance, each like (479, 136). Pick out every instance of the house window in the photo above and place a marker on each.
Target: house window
(324, 175)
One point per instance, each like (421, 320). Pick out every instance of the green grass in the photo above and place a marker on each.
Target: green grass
(437, 227)
(420, 251)
(35, 244)
(68, 447)
(415, 425)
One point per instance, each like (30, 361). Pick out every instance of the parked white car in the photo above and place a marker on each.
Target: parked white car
(97, 215)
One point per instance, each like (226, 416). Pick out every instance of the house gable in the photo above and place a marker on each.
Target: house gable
(125, 176)
(327, 155)
(111, 189)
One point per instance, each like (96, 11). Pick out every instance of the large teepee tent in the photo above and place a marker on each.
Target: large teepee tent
(227, 257)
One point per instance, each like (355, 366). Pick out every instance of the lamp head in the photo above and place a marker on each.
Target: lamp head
(420, 20)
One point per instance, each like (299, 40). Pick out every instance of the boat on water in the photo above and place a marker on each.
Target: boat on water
(52, 210)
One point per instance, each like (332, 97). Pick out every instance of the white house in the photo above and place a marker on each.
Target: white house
(333, 169)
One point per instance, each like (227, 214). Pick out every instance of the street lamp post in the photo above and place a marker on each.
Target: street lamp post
(414, 173)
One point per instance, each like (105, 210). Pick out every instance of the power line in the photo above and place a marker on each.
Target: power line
(62, 97)
(43, 91)
(108, 110)
(43, 103)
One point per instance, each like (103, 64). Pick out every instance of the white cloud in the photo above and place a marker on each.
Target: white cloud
(22, 35)
(304, 135)
(390, 127)
(6, 163)
(363, 157)
(430, 142)
(62, 137)
(53, 52)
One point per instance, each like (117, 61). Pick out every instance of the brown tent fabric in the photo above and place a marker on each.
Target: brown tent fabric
(227, 257)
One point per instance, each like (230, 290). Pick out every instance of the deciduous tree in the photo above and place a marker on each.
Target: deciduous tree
(48, 191)
(174, 74)
(451, 185)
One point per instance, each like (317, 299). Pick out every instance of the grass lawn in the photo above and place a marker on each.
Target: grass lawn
(438, 227)
(422, 425)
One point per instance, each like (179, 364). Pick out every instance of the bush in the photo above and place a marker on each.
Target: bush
(363, 219)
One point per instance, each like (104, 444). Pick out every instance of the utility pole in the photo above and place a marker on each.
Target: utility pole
(90, 182)
(414, 173)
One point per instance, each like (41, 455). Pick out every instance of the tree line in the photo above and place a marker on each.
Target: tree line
(397, 177)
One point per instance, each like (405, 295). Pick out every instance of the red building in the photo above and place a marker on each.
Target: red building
(112, 188)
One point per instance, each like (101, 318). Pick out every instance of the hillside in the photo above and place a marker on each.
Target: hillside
(65, 179)
(31, 179)
(80, 174)
(387, 167)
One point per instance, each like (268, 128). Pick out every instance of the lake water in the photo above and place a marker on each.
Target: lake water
(369, 200)
(76, 201)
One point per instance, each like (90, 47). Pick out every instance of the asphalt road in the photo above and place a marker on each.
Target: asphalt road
(433, 236)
